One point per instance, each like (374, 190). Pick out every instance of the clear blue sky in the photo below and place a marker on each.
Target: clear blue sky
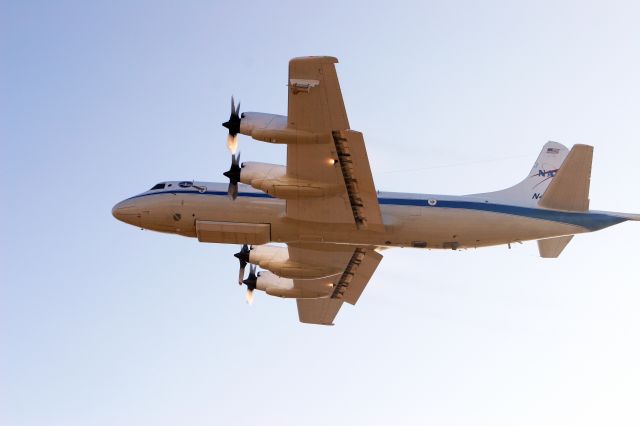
(104, 324)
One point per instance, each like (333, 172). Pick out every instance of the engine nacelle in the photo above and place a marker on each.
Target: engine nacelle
(274, 285)
(276, 259)
(261, 172)
(252, 121)
(273, 179)
(273, 128)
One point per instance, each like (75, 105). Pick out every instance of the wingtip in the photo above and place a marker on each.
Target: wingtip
(320, 59)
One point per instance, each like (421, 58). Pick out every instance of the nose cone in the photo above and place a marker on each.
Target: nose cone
(127, 212)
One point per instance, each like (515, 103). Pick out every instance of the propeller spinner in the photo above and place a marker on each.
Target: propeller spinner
(232, 143)
(234, 176)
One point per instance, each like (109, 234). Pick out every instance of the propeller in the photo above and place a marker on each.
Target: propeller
(234, 176)
(251, 282)
(234, 127)
(243, 258)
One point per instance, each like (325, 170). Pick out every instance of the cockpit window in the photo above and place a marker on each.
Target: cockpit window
(157, 186)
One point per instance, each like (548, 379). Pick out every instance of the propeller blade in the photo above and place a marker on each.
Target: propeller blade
(232, 191)
(241, 275)
(252, 279)
(234, 176)
(234, 119)
(243, 258)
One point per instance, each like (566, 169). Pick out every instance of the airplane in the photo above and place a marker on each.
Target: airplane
(323, 205)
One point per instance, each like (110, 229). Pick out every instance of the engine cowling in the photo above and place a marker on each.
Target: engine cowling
(274, 285)
(276, 259)
(258, 174)
(252, 121)
(273, 128)
(273, 179)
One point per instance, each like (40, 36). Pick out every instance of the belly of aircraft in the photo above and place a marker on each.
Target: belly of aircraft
(460, 228)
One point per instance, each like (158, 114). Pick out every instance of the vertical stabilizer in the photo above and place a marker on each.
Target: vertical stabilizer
(531, 189)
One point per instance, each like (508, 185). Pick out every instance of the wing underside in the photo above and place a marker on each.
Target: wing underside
(359, 264)
(316, 106)
(328, 183)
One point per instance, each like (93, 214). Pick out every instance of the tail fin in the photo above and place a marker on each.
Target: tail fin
(570, 188)
(530, 190)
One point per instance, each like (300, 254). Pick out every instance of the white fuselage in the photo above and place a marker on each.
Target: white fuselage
(410, 220)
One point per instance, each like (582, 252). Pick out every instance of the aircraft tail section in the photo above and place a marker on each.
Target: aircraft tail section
(531, 189)
(569, 189)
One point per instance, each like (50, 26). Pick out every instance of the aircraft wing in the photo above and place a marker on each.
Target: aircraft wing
(316, 106)
(358, 263)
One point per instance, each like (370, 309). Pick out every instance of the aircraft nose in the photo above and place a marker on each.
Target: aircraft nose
(127, 212)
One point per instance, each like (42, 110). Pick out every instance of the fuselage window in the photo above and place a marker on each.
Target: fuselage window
(158, 186)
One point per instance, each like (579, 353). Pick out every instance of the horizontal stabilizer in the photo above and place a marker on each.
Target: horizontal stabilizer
(552, 247)
(569, 189)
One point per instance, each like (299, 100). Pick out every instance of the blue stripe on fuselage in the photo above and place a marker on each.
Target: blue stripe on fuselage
(590, 221)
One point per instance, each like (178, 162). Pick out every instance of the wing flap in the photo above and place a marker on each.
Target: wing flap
(361, 190)
(357, 274)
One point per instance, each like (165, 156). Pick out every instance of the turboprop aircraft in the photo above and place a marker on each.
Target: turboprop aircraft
(324, 206)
